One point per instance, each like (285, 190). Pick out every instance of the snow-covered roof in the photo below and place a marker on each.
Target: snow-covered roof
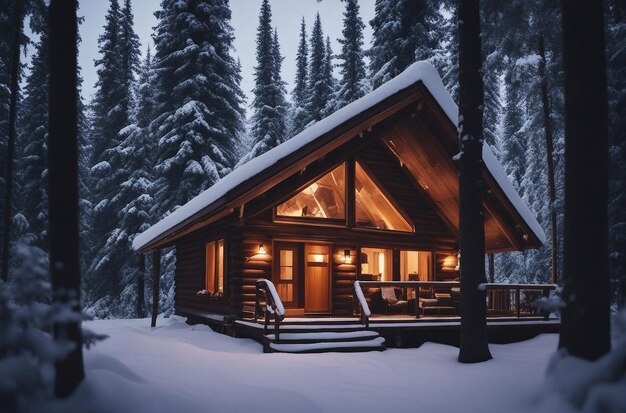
(419, 71)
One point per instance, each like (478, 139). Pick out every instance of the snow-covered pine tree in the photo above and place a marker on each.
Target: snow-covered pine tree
(445, 57)
(198, 104)
(135, 155)
(403, 33)
(32, 140)
(329, 79)
(129, 43)
(268, 123)
(298, 94)
(111, 113)
(353, 84)
(319, 90)
(616, 32)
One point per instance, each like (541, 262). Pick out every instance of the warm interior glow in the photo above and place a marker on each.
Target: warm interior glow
(214, 267)
(324, 198)
(318, 258)
(415, 265)
(373, 208)
(377, 263)
(449, 263)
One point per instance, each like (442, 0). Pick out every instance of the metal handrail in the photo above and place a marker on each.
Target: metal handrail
(273, 305)
(492, 288)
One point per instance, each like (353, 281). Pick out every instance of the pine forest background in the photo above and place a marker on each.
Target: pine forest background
(168, 122)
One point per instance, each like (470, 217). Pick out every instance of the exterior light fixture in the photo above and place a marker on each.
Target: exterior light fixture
(261, 249)
(346, 256)
(449, 263)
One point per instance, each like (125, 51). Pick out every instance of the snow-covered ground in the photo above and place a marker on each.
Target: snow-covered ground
(180, 368)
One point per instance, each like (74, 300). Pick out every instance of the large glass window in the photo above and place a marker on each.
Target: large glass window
(373, 208)
(376, 264)
(324, 198)
(415, 265)
(214, 272)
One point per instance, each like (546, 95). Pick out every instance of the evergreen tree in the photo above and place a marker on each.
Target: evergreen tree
(129, 52)
(198, 104)
(616, 32)
(135, 155)
(111, 113)
(268, 127)
(319, 88)
(33, 134)
(353, 77)
(298, 95)
(403, 34)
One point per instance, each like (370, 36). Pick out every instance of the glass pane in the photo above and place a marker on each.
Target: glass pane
(376, 264)
(220, 266)
(286, 258)
(324, 198)
(210, 268)
(286, 273)
(373, 209)
(415, 265)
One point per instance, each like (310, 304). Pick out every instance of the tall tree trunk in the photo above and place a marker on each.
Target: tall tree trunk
(18, 23)
(63, 187)
(473, 341)
(585, 322)
(547, 126)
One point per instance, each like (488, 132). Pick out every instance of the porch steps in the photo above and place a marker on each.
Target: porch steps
(322, 340)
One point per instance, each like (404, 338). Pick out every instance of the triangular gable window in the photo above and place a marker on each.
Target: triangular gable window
(324, 198)
(373, 209)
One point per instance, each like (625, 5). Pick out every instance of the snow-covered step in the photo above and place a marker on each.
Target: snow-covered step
(375, 344)
(330, 336)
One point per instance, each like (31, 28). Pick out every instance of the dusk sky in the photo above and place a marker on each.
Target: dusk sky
(286, 17)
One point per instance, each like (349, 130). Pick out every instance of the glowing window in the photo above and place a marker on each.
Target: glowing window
(373, 208)
(324, 198)
(214, 274)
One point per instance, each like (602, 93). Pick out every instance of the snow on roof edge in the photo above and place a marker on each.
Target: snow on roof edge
(419, 71)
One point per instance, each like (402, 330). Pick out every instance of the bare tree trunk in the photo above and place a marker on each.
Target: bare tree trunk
(547, 126)
(63, 187)
(18, 24)
(473, 341)
(156, 277)
(585, 322)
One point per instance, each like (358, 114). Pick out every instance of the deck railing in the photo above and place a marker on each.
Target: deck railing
(268, 303)
(502, 300)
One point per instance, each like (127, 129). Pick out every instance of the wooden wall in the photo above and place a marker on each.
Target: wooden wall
(344, 275)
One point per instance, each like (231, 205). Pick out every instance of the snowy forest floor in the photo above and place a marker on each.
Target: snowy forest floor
(180, 368)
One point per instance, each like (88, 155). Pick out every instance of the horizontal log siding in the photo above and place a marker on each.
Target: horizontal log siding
(344, 275)
(190, 272)
(249, 266)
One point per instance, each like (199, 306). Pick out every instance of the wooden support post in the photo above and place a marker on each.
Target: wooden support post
(141, 276)
(492, 268)
(156, 276)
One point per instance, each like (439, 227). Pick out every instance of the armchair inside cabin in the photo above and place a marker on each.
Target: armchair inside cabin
(390, 300)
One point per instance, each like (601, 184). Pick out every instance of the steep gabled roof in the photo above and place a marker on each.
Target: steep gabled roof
(224, 194)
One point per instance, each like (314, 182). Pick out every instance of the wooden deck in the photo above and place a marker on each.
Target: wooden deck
(398, 331)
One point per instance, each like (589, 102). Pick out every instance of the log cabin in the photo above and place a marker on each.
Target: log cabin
(368, 194)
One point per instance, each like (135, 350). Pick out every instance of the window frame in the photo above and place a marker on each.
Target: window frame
(216, 241)
(315, 221)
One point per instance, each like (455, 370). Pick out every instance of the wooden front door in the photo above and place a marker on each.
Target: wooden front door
(317, 279)
(287, 273)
